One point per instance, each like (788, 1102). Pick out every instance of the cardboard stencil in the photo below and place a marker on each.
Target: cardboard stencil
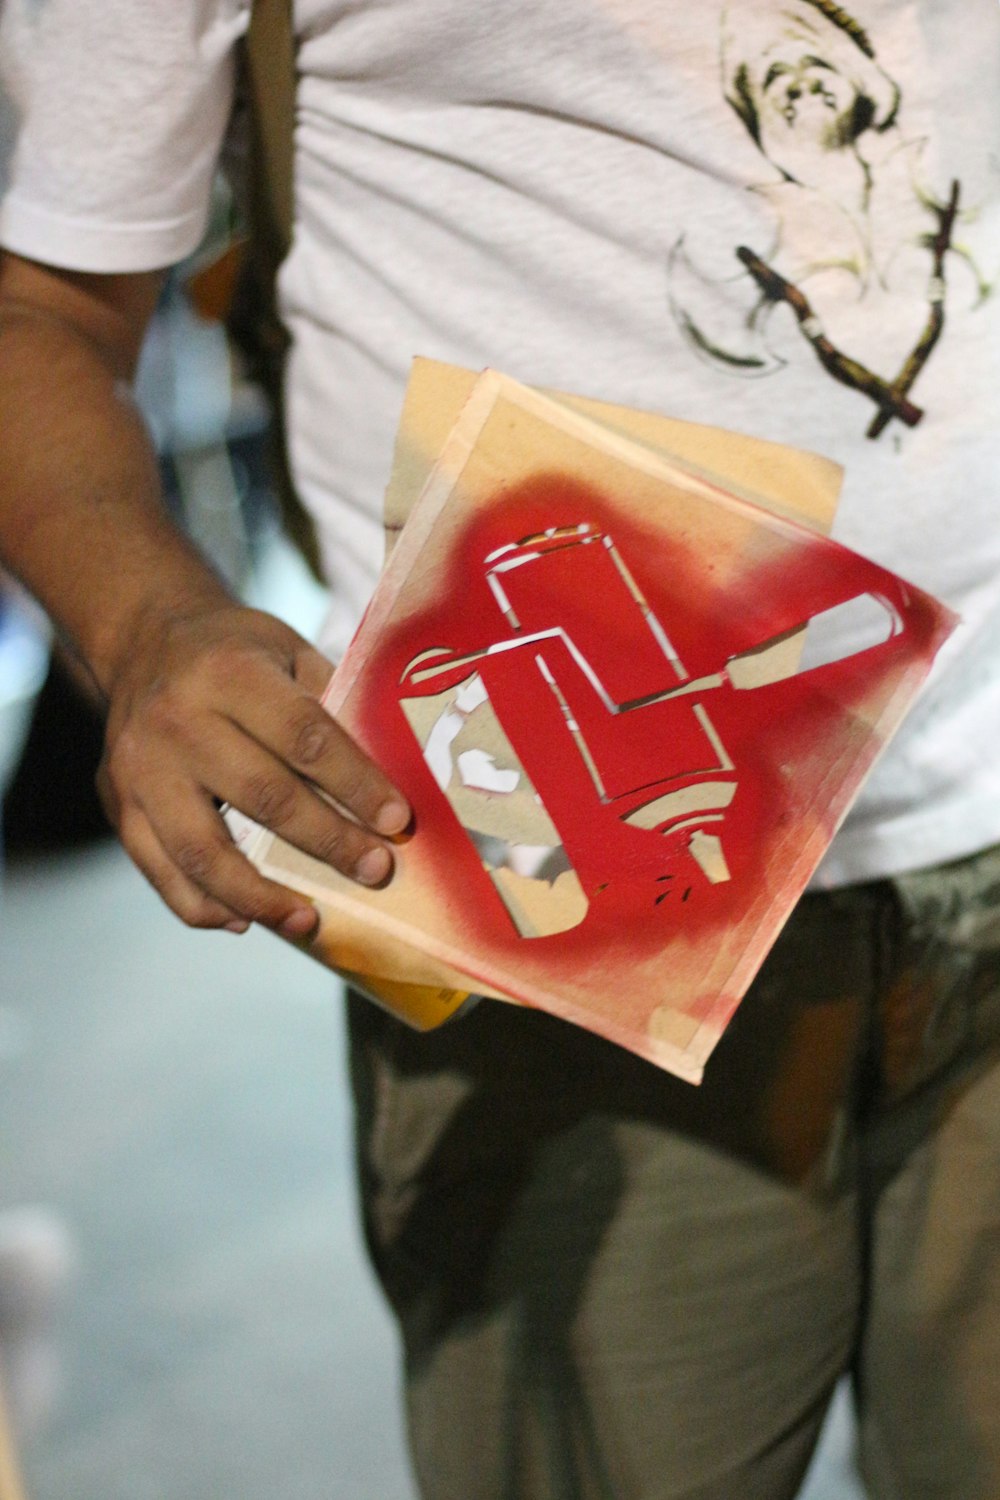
(630, 690)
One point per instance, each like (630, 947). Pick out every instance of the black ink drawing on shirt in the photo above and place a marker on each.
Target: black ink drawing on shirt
(849, 208)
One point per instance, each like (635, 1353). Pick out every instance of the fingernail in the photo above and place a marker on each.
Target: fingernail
(299, 923)
(373, 866)
(392, 817)
(238, 925)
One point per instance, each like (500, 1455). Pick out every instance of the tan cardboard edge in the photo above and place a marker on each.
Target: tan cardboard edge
(791, 482)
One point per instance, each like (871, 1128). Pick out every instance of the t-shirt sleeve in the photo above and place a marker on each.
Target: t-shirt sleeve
(112, 116)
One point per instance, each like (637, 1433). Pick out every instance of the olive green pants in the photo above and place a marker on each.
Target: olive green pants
(614, 1286)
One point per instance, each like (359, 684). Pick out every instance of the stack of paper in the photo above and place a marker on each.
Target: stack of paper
(630, 689)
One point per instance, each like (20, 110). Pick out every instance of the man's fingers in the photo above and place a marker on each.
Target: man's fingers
(227, 708)
(202, 856)
(266, 790)
(301, 733)
(185, 899)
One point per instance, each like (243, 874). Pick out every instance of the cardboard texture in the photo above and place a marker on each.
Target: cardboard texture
(630, 689)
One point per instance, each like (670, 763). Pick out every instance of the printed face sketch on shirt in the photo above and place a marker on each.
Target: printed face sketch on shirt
(864, 251)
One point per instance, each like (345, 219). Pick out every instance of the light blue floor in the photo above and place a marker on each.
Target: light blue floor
(180, 1098)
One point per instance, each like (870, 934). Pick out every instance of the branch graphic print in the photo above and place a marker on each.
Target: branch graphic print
(864, 242)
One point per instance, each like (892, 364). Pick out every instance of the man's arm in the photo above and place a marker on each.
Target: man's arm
(207, 701)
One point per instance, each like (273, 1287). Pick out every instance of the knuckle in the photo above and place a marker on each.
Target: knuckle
(217, 663)
(193, 909)
(120, 754)
(260, 909)
(162, 711)
(352, 786)
(311, 740)
(268, 800)
(197, 858)
(333, 846)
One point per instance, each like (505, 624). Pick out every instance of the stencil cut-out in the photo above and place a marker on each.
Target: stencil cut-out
(630, 706)
(530, 581)
(492, 796)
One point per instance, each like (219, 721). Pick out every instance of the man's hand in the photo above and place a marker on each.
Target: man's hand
(207, 702)
(221, 706)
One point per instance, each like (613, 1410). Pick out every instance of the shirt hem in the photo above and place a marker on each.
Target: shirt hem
(865, 854)
(81, 244)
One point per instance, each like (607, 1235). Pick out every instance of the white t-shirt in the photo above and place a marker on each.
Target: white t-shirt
(560, 189)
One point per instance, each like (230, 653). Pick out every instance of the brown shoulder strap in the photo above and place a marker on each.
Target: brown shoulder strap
(269, 79)
(270, 74)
